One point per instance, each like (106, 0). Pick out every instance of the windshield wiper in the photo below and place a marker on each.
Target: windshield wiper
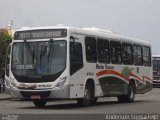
(50, 52)
(42, 52)
(32, 53)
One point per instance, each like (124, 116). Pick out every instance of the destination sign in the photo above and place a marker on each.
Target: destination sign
(40, 34)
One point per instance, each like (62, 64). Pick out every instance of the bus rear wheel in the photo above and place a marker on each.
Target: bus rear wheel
(39, 103)
(130, 94)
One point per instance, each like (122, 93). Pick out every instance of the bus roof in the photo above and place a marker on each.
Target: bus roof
(156, 56)
(93, 31)
(110, 35)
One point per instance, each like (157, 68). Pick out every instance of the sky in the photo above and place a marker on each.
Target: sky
(134, 18)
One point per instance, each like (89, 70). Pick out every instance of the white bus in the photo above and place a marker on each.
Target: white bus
(156, 70)
(76, 63)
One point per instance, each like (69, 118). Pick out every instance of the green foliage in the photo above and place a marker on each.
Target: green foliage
(5, 40)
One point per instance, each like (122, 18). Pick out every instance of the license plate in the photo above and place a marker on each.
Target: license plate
(35, 97)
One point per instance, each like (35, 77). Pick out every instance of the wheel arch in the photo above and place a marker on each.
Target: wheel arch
(133, 81)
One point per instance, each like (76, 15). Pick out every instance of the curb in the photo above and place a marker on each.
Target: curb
(2, 99)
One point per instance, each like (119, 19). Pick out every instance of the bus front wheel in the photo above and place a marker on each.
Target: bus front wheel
(88, 96)
(39, 103)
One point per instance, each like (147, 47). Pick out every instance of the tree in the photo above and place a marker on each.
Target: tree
(5, 40)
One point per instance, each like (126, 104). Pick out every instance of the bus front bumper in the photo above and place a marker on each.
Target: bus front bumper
(61, 93)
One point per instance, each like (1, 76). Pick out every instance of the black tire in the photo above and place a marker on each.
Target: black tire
(88, 96)
(130, 94)
(94, 101)
(39, 103)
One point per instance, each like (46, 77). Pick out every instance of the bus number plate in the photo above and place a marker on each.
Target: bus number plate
(35, 97)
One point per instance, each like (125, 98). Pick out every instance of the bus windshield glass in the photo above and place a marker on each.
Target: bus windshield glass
(38, 58)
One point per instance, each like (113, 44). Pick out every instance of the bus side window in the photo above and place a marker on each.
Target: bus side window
(76, 57)
(103, 51)
(127, 54)
(146, 56)
(137, 55)
(116, 55)
(8, 56)
(91, 53)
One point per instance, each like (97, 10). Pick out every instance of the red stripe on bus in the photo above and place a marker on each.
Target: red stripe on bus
(144, 77)
(104, 72)
(138, 78)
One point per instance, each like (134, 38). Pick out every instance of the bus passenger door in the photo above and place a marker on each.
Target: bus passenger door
(76, 69)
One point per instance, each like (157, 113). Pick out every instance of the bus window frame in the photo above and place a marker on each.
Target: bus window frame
(137, 55)
(106, 59)
(131, 54)
(75, 66)
(148, 64)
(93, 57)
(117, 55)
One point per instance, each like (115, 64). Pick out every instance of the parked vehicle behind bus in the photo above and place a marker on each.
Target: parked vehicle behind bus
(156, 70)
(77, 63)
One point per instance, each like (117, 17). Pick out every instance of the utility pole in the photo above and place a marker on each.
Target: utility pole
(10, 28)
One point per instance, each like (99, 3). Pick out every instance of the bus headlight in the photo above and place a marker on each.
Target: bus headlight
(61, 82)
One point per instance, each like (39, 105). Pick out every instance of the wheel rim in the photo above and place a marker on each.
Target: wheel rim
(131, 93)
(87, 94)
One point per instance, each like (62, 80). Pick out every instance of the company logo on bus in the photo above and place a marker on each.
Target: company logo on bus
(34, 86)
(27, 86)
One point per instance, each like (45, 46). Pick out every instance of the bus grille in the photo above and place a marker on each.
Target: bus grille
(43, 94)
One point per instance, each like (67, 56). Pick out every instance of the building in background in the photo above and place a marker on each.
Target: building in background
(4, 31)
(9, 30)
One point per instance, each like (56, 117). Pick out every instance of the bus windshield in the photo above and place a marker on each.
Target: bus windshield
(38, 58)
